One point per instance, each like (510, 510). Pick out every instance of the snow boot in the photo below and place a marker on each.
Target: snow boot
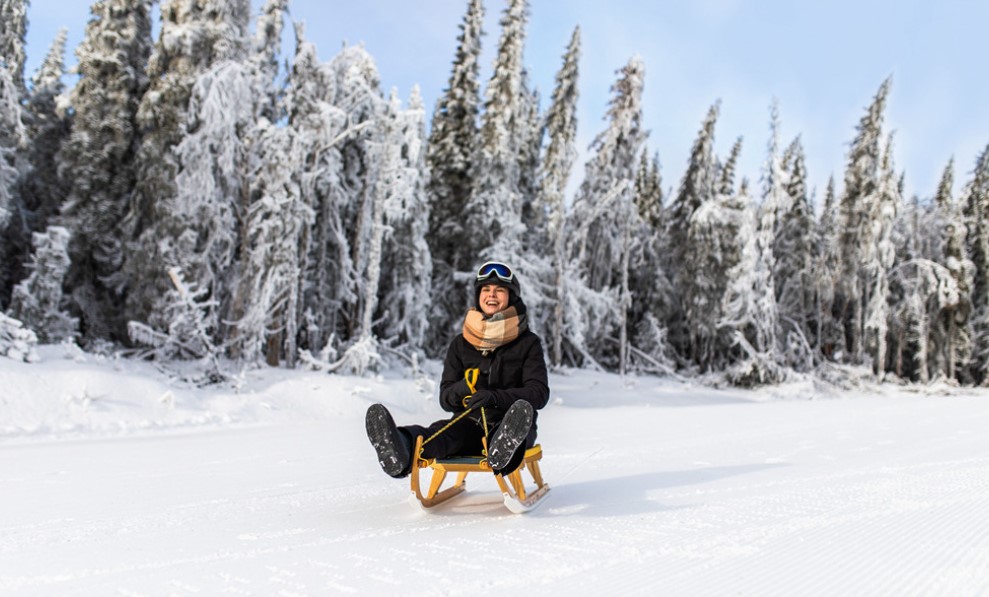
(509, 439)
(393, 447)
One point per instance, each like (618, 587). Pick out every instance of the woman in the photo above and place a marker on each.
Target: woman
(504, 361)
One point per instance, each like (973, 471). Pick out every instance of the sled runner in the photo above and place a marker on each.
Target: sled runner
(517, 498)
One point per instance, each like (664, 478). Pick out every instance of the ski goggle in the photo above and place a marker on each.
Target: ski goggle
(496, 269)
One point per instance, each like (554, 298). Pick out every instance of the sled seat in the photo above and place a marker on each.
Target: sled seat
(516, 497)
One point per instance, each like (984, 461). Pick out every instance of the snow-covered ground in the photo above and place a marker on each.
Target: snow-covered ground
(115, 480)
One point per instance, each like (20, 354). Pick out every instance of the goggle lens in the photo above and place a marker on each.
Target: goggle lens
(500, 270)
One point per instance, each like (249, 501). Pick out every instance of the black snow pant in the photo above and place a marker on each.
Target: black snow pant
(463, 438)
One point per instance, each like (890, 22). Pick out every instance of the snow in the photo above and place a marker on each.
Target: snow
(117, 479)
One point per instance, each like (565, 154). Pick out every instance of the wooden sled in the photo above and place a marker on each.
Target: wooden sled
(517, 498)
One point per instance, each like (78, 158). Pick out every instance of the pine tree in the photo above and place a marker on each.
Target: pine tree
(751, 314)
(531, 134)
(794, 251)
(96, 162)
(319, 128)
(494, 209)
(358, 94)
(878, 259)
(39, 191)
(857, 240)
(953, 325)
(47, 127)
(716, 233)
(406, 261)
(604, 216)
(266, 296)
(16, 341)
(649, 191)
(13, 28)
(13, 140)
(696, 187)
(830, 331)
(37, 300)
(976, 212)
(749, 306)
(653, 295)
(561, 124)
(194, 37)
(450, 155)
(268, 290)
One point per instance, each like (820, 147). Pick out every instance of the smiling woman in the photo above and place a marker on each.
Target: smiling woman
(494, 379)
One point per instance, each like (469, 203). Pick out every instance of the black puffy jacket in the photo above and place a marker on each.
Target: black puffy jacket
(514, 371)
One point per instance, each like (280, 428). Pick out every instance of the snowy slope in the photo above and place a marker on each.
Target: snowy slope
(116, 480)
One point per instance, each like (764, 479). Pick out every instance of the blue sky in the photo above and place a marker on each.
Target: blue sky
(823, 62)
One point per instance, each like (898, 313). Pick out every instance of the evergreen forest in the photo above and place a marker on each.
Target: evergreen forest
(197, 196)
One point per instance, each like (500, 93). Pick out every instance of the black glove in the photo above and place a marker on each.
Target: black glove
(452, 398)
(482, 398)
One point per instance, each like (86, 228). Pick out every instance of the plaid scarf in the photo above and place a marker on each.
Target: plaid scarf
(487, 334)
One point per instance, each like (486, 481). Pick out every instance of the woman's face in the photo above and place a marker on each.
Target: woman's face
(493, 298)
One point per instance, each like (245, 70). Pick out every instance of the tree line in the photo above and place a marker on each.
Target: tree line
(189, 199)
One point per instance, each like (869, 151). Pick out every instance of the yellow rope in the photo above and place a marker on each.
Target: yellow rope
(470, 376)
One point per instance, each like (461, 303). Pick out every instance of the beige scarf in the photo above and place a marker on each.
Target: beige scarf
(495, 331)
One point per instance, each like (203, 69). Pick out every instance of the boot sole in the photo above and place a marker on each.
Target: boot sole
(383, 433)
(511, 433)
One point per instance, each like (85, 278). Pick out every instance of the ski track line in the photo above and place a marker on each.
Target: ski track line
(863, 573)
(61, 530)
(177, 519)
(833, 525)
(853, 506)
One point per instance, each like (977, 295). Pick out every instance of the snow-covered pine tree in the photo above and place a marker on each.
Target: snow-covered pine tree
(39, 191)
(214, 187)
(267, 300)
(450, 154)
(358, 94)
(319, 127)
(277, 220)
(604, 218)
(194, 37)
(13, 28)
(943, 200)
(47, 126)
(554, 174)
(976, 213)
(96, 162)
(37, 300)
(953, 326)
(12, 141)
(406, 263)
(910, 284)
(649, 191)
(392, 184)
(12, 137)
(532, 130)
(494, 209)
(830, 330)
(696, 187)
(878, 259)
(794, 251)
(748, 306)
(716, 234)
(188, 311)
(651, 289)
(751, 315)
(857, 239)
(16, 341)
